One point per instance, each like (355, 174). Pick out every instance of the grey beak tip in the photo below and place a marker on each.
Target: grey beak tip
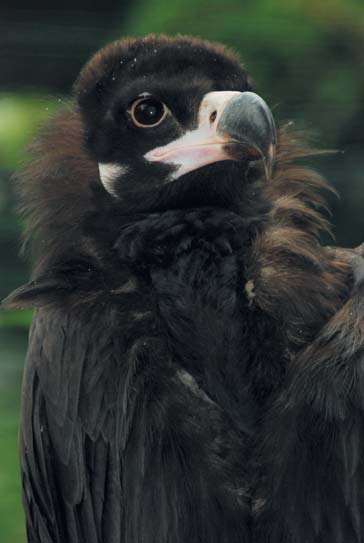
(248, 119)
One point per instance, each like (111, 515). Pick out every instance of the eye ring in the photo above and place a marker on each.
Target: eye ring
(148, 112)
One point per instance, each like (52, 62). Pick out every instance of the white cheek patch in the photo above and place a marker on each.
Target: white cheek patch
(109, 173)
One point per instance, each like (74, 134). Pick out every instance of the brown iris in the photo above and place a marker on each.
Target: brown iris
(148, 112)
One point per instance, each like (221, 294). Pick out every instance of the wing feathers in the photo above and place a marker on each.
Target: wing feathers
(118, 453)
(316, 472)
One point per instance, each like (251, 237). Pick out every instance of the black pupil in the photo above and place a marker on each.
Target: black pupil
(149, 111)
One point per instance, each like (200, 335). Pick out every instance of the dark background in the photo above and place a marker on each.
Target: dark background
(306, 56)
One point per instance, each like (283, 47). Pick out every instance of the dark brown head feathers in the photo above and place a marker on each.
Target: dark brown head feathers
(127, 54)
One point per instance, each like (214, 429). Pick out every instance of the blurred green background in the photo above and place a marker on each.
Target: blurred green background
(306, 57)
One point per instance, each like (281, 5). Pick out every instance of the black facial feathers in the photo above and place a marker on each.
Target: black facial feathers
(161, 58)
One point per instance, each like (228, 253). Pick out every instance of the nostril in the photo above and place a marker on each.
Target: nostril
(213, 116)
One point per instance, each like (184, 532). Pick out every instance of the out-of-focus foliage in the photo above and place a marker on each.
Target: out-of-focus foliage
(306, 57)
(20, 116)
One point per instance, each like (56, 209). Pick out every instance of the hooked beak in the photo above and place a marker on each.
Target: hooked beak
(232, 126)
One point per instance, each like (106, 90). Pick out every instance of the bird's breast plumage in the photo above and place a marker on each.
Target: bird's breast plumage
(194, 264)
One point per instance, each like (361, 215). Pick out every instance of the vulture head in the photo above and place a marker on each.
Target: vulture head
(173, 122)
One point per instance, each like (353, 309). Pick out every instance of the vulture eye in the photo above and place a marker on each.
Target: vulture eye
(148, 112)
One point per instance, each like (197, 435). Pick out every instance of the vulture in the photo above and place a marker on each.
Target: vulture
(195, 369)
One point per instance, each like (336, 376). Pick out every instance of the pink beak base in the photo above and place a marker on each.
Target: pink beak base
(190, 157)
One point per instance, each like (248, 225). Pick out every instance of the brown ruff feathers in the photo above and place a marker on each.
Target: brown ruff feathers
(292, 276)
